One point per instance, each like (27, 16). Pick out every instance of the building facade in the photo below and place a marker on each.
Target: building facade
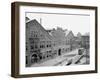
(85, 41)
(44, 44)
(38, 43)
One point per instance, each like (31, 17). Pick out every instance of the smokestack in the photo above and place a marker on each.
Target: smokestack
(40, 21)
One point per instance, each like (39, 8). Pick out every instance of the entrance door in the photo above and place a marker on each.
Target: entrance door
(59, 52)
(34, 58)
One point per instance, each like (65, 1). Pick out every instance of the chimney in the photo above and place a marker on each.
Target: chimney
(40, 21)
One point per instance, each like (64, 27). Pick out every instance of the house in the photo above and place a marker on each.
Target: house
(58, 36)
(38, 42)
(82, 41)
(70, 40)
(63, 40)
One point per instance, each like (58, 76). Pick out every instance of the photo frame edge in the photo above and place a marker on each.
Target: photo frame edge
(15, 41)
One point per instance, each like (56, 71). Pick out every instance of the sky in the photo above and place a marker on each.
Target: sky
(75, 23)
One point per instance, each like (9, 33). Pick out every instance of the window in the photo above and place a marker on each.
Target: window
(47, 45)
(26, 48)
(32, 47)
(34, 55)
(31, 40)
(42, 46)
(26, 60)
(50, 45)
(50, 51)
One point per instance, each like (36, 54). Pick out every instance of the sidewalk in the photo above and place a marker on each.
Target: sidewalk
(56, 60)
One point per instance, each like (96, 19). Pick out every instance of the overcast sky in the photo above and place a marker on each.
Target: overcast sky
(76, 23)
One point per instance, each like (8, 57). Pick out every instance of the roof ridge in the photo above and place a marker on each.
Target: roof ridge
(34, 20)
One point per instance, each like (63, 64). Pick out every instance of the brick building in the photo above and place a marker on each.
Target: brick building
(44, 44)
(38, 42)
(59, 41)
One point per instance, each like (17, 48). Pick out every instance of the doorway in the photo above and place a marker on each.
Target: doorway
(59, 52)
(34, 58)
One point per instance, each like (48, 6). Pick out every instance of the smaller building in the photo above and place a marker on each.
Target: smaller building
(38, 43)
(85, 41)
(70, 40)
(82, 41)
(58, 41)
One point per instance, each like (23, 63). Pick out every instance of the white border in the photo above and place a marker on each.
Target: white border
(36, 70)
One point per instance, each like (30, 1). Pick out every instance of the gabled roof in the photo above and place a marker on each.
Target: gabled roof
(35, 22)
(67, 32)
(57, 34)
(27, 19)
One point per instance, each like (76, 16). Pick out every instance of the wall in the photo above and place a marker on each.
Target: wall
(5, 40)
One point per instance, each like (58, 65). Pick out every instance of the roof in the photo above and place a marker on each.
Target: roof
(35, 22)
(85, 36)
(27, 19)
(67, 32)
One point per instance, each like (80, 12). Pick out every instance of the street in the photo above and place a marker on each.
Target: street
(70, 58)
